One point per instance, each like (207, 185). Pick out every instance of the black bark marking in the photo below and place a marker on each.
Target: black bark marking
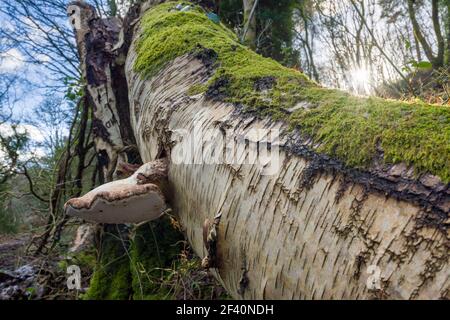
(208, 57)
(360, 262)
(243, 282)
(343, 186)
(100, 131)
(264, 83)
(218, 90)
(430, 199)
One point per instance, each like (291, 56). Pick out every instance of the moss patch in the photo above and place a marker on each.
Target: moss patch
(150, 263)
(168, 33)
(154, 248)
(163, 268)
(112, 278)
(353, 129)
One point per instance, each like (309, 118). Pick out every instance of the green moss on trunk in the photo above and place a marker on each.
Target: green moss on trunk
(112, 277)
(132, 264)
(155, 247)
(353, 129)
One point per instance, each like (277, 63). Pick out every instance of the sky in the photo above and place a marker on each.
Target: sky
(25, 96)
(28, 92)
(28, 97)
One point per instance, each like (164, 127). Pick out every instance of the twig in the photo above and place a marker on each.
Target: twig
(30, 183)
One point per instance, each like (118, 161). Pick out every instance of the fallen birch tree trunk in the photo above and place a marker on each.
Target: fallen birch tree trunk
(286, 189)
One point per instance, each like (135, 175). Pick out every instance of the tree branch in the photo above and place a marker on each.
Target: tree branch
(30, 184)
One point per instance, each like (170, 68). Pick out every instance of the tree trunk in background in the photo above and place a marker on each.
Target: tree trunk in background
(447, 54)
(437, 30)
(307, 231)
(307, 43)
(107, 88)
(249, 22)
(438, 59)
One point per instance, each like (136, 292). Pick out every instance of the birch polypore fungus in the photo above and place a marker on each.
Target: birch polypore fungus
(135, 199)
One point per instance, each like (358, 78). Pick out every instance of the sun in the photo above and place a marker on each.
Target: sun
(360, 80)
(361, 75)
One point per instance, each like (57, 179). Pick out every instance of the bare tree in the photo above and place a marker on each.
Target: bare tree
(39, 29)
(437, 59)
(305, 31)
(249, 31)
(359, 45)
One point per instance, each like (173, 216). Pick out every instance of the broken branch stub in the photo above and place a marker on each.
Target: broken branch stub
(135, 199)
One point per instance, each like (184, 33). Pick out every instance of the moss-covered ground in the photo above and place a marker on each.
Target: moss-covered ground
(356, 130)
(150, 262)
(112, 277)
(154, 248)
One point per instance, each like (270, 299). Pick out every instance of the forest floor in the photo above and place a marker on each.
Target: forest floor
(27, 276)
(24, 276)
(12, 248)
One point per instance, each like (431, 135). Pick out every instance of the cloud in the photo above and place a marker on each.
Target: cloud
(11, 60)
(34, 132)
(35, 135)
(43, 58)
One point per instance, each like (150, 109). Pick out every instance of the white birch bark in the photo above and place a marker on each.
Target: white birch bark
(276, 238)
(293, 230)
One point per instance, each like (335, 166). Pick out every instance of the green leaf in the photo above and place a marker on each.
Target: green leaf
(424, 65)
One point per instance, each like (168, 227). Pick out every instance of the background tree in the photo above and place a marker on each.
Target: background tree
(370, 47)
(272, 31)
(437, 57)
(41, 33)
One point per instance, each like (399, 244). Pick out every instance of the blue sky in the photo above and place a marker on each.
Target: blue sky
(33, 81)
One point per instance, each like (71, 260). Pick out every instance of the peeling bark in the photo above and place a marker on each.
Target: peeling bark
(102, 49)
(312, 229)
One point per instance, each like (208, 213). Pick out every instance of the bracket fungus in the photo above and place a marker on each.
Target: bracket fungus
(135, 199)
